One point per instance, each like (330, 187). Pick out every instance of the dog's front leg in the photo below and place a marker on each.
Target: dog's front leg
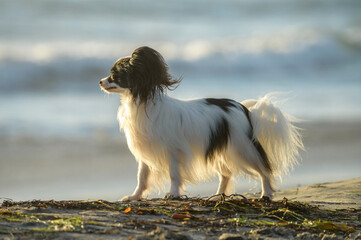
(143, 177)
(175, 178)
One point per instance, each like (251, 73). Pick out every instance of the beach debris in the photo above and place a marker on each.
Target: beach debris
(227, 215)
(128, 209)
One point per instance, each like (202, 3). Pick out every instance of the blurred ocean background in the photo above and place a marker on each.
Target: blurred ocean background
(59, 138)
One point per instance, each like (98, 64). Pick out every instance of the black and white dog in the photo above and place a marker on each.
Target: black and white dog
(190, 141)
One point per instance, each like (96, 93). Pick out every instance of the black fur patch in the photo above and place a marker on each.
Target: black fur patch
(119, 73)
(218, 139)
(263, 154)
(148, 74)
(256, 143)
(246, 112)
(222, 103)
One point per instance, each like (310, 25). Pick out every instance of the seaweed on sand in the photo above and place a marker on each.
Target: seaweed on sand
(193, 215)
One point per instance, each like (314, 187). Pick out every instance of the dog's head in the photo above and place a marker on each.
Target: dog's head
(142, 75)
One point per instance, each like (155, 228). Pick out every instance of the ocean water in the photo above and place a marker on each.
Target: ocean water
(53, 53)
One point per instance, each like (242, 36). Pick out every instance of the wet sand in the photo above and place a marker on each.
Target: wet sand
(101, 166)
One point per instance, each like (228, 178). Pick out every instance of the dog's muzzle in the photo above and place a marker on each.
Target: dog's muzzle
(103, 80)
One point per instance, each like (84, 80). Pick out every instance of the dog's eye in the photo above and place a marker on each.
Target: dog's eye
(116, 75)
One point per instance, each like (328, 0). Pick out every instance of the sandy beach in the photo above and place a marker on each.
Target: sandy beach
(336, 195)
(318, 211)
(64, 163)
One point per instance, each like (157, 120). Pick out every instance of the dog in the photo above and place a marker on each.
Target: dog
(191, 141)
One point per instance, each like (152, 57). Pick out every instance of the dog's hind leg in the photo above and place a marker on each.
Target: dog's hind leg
(267, 182)
(255, 166)
(224, 175)
(223, 184)
(143, 178)
(267, 188)
(222, 187)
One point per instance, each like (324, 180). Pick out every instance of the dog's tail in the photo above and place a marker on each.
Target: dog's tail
(274, 130)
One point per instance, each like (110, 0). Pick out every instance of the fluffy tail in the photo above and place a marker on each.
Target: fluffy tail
(280, 139)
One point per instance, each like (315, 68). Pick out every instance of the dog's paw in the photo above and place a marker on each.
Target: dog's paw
(130, 198)
(218, 197)
(266, 199)
(170, 196)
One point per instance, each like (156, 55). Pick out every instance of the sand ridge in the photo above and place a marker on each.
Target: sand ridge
(344, 194)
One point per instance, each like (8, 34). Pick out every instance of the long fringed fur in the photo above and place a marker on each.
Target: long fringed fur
(276, 132)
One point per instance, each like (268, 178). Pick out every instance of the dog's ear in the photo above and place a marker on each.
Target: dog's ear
(149, 74)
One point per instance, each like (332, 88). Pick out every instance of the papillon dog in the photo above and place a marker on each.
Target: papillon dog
(191, 141)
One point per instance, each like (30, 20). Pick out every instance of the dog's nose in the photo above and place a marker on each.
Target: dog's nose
(103, 80)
